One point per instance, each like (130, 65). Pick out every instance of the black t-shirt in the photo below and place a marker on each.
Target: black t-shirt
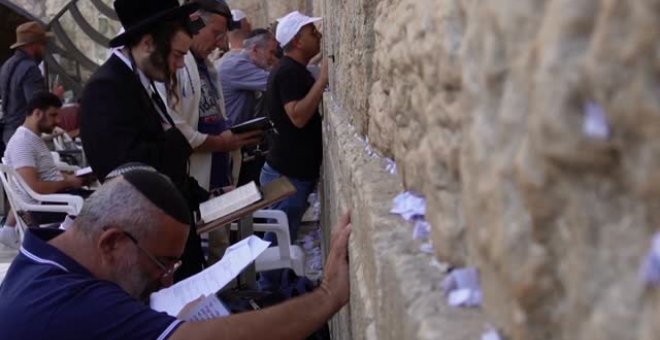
(294, 152)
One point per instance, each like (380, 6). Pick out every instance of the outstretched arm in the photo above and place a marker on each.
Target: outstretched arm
(294, 319)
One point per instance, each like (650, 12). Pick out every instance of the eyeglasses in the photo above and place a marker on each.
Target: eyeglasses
(167, 270)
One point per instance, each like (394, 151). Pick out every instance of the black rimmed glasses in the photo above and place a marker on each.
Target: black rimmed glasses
(167, 270)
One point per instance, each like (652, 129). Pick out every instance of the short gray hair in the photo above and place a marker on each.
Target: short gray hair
(257, 38)
(117, 203)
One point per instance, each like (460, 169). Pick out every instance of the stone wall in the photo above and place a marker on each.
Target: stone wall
(483, 106)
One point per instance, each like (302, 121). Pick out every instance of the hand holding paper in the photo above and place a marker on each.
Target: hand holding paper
(172, 300)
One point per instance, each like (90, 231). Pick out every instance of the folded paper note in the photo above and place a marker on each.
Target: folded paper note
(409, 205)
(650, 270)
(595, 121)
(462, 288)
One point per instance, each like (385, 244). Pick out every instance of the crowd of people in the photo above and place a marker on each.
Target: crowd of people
(162, 102)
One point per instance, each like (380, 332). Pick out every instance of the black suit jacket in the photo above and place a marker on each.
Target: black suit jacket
(119, 124)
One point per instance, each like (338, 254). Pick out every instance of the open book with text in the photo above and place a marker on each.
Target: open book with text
(229, 202)
(268, 194)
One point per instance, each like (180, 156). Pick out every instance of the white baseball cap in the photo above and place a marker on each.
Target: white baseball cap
(289, 25)
(238, 15)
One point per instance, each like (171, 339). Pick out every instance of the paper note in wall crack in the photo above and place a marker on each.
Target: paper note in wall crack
(595, 123)
(172, 299)
(409, 205)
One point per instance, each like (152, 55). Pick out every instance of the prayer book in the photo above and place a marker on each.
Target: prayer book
(260, 123)
(229, 202)
(209, 308)
(84, 171)
(270, 193)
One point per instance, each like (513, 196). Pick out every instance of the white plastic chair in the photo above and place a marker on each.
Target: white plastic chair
(285, 254)
(62, 203)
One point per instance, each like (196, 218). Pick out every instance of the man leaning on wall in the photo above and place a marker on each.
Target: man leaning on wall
(293, 97)
(90, 281)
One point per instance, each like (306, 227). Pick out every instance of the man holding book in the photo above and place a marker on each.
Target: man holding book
(91, 281)
(123, 117)
(29, 156)
(198, 105)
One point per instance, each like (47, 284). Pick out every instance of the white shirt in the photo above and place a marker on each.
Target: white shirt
(27, 150)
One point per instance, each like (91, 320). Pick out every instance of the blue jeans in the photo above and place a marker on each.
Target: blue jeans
(294, 207)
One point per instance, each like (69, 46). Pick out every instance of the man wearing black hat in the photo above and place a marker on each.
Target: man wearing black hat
(89, 281)
(123, 119)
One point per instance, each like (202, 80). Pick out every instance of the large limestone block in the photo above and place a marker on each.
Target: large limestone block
(255, 10)
(558, 220)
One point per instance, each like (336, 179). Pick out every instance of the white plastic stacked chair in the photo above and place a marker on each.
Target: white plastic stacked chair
(285, 254)
(57, 203)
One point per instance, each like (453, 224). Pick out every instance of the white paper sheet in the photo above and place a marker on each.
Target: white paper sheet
(171, 300)
(209, 308)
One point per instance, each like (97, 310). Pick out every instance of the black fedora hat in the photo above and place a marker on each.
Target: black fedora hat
(137, 16)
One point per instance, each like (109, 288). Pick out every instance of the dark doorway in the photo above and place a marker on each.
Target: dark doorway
(9, 19)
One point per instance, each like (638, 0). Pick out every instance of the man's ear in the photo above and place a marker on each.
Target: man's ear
(147, 44)
(109, 241)
(37, 113)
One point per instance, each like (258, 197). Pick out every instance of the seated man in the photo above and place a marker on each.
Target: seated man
(28, 154)
(89, 281)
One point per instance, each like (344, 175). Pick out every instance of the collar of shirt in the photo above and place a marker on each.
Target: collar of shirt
(36, 248)
(144, 80)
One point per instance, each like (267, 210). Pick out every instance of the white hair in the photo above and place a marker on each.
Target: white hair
(117, 203)
(259, 40)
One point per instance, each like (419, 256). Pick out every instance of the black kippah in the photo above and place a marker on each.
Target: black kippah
(160, 191)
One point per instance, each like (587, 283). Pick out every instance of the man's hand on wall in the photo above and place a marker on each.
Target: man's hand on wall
(323, 76)
(336, 282)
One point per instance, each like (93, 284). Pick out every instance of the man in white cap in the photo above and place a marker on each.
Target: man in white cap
(292, 98)
(238, 31)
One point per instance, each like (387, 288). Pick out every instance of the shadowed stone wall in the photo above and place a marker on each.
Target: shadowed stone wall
(482, 104)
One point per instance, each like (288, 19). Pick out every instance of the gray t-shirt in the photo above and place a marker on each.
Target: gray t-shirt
(26, 149)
